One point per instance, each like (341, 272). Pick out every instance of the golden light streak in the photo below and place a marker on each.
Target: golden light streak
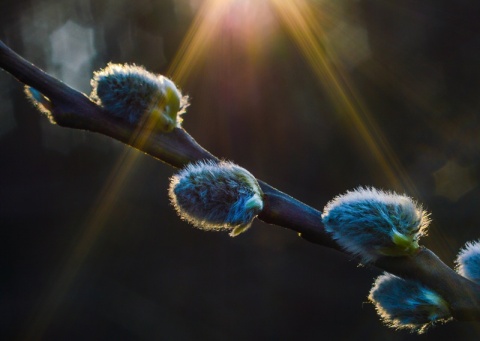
(92, 229)
(198, 39)
(195, 44)
(307, 33)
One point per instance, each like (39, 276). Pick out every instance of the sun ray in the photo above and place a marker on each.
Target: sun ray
(305, 28)
(194, 45)
(92, 228)
(307, 32)
(198, 39)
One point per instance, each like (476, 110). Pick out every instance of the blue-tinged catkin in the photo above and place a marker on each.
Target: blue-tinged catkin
(468, 261)
(407, 304)
(130, 92)
(41, 102)
(216, 196)
(372, 223)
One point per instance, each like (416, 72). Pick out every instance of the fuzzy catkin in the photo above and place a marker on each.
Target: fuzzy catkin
(468, 262)
(216, 196)
(130, 91)
(407, 304)
(371, 223)
(41, 102)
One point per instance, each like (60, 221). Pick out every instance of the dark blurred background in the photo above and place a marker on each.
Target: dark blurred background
(313, 97)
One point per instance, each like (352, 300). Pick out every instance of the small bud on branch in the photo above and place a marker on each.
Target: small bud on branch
(216, 196)
(407, 304)
(373, 223)
(133, 94)
(468, 262)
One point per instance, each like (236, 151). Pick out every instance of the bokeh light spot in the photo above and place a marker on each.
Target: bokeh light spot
(453, 181)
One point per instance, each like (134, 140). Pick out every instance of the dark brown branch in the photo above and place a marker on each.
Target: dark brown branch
(75, 110)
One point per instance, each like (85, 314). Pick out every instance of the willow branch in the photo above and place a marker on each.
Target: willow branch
(72, 109)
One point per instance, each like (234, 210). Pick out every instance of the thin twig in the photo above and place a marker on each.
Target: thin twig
(75, 110)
